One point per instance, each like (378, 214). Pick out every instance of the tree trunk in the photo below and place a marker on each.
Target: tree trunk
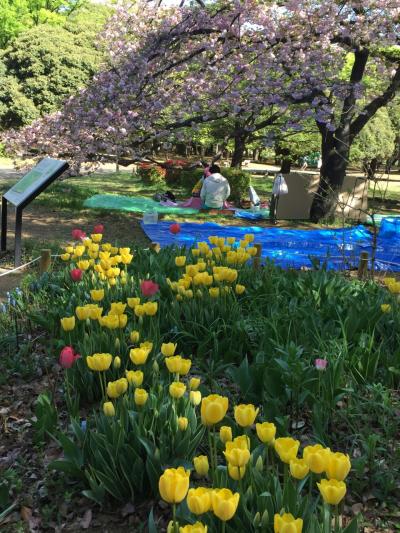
(286, 161)
(256, 154)
(239, 148)
(335, 155)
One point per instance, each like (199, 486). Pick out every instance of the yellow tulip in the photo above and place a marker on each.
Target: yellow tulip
(185, 367)
(286, 448)
(239, 289)
(194, 383)
(70, 250)
(140, 311)
(225, 434)
(94, 311)
(183, 423)
(140, 397)
(99, 361)
(177, 389)
(224, 503)
(199, 500)
(134, 336)
(117, 308)
(68, 323)
(97, 295)
(138, 356)
(332, 491)
(146, 345)
(299, 468)
(316, 457)
(386, 308)
(245, 414)
(236, 456)
(82, 313)
(117, 362)
(113, 250)
(236, 472)
(108, 409)
(65, 257)
(249, 237)
(83, 265)
(338, 466)
(287, 523)
(242, 442)
(96, 237)
(180, 261)
(79, 251)
(174, 484)
(266, 432)
(394, 287)
(126, 259)
(168, 349)
(230, 240)
(123, 320)
(195, 397)
(214, 292)
(116, 388)
(201, 465)
(133, 302)
(213, 409)
(173, 363)
(150, 308)
(195, 252)
(134, 377)
(198, 527)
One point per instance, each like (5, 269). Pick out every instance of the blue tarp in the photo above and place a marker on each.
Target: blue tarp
(295, 248)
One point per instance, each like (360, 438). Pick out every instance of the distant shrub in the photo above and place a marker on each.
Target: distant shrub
(151, 174)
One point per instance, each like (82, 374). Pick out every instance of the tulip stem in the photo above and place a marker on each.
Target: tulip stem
(336, 518)
(215, 451)
(211, 455)
(223, 526)
(327, 518)
(103, 393)
(176, 528)
(310, 485)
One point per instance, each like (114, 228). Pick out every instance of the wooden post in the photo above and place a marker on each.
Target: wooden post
(45, 261)
(363, 265)
(257, 257)
(155, 247)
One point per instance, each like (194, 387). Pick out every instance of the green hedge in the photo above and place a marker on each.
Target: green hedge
(238, 180)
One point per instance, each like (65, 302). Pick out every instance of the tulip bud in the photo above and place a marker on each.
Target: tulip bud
(249, 492)
(257, 519)
(201, 465)
(260, 464)
(157, 454)
(108, 409)
(156, 368)
(264, 519)
(117, 362)
(183, 423)
(117, 345)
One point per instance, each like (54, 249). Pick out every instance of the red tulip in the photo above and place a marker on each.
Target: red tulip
(99, 228)
(68, 357)
(76, 274)
(78, 234)
(148, 287)
(174, 228)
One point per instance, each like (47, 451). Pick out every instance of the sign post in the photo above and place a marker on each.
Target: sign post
(22, 194)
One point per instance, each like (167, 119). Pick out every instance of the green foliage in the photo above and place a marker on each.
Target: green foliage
(46, 418)
(40, 69)
(19, 15)
(376, 140)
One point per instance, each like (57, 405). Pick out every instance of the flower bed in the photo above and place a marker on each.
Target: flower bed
(212, 384)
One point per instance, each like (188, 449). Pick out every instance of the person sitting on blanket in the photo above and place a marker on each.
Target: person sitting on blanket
(215, 190)
(197, 188)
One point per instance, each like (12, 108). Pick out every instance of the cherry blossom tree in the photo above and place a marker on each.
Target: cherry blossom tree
(170, 70)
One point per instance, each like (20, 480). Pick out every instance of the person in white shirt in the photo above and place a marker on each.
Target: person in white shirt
(215, 190)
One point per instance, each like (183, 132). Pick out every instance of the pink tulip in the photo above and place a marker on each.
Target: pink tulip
(76, 274)
(67, 357)
(99, 228)
(320, 364)
(148, 287)
(78, 234)
(174, 228)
